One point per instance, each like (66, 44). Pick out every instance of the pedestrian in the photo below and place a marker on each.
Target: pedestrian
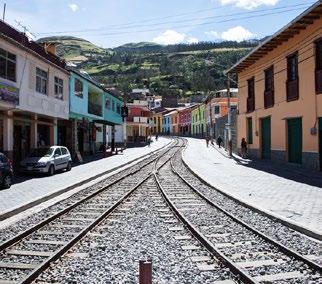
(243, 145)
(156, 137)
(207, 141)
(219, 141)
(149, 141)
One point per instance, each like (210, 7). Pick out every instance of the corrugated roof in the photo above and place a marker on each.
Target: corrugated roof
(284, 34)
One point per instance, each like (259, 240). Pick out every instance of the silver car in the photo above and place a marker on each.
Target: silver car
(47, 160)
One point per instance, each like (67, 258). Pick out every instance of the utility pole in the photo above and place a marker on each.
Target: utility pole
(4, 12)
(228, 125)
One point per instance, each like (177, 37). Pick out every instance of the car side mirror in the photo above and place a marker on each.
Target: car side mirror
(56, 155)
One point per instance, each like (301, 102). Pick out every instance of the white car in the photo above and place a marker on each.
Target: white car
(47, 160)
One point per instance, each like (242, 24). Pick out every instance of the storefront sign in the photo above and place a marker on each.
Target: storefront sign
(9, 93)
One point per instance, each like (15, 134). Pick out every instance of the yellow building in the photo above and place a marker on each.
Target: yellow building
(280, 93)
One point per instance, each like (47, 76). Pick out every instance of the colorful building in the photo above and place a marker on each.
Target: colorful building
(280, 93)
(92, 110)
(216, 107)
(34, 94)
(137, 122)
(157, 118)
(198, 124)
(185, 121)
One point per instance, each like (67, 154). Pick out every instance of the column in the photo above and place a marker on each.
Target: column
(8, 135)
(34, 133)
(113, 138)
(53, 133)
(74, 137)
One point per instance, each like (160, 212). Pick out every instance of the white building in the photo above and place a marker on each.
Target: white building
(33, 94)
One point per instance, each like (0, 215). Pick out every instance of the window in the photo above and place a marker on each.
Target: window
(251, 95)
(269, 87)
(249, 130)
(113, 106)
(292, 84)
(57, 152)
(78, 88)
(63, 151)
(107, 103)
(217, 110)
(59, 87)
(318, 66)
(7, 65)
(118, 108)
(41, 81)
(292, 68)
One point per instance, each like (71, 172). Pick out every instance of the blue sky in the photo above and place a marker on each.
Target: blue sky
(109, 23)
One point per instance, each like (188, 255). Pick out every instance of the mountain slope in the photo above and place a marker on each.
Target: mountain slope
(76, 49)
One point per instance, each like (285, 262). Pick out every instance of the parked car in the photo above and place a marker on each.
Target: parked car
(6, 171)
(47, 160)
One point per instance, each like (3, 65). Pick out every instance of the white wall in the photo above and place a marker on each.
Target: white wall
(118, 133)
(29, 99)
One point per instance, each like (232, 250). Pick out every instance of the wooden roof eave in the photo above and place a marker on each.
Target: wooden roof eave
(300, 23)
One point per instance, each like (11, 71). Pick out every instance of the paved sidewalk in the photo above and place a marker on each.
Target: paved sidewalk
(39, 186)
(284, 191)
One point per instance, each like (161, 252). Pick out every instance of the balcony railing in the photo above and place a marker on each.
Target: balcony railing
(140, 119)
(95, 109)
(250, 104)
(318, 81)
(268, 99)
(292, 90)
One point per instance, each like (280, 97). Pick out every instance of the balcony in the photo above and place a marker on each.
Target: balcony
(268, 99)
(140, 119)
(292, 90)
(318, 81)
(95, 109)
(250, 104)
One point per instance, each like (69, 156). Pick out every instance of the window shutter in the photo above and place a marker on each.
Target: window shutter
(32, 76)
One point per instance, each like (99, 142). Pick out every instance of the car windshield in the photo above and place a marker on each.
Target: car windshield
(42, 152)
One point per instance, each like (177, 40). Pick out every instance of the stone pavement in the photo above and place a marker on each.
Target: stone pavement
(284, 191)
(35, 187)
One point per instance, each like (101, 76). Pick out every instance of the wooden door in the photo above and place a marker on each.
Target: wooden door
(266, 137)
(294, 127)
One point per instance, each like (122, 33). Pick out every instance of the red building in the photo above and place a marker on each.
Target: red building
(137, 123)
(185, 121)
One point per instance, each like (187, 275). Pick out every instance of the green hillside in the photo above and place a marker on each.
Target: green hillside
(167, 70)
(76, 49)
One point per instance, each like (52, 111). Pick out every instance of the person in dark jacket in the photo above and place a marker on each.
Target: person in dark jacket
(243, 145)
(219, 141)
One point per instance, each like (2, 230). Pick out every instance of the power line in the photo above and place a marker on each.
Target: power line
(127, 27)
(308, 42)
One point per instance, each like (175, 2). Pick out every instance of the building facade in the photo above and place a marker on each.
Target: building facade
(198, 124)
(280, 93)
(34, 94)
(185, 121)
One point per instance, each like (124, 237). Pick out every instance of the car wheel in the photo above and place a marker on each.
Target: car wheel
(7, 181)
(51, 170)
(69, 166)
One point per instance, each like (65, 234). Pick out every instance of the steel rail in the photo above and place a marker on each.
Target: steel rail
(245, 277)
(58, 253)
(283, 248)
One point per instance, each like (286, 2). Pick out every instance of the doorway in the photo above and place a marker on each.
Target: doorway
(21, 142)
(294, 137)
(266, 137)
(80, 140)
(320, 142)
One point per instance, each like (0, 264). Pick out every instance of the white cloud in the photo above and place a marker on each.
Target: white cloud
(73, 7)
(213, 34)
(238, 34)
(249, 4)
(192, 40)
(170, 37)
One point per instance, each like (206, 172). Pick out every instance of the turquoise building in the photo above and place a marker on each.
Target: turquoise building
(94, 116)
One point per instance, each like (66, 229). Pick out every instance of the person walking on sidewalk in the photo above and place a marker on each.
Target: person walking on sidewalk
(207, 140)
(219, 141)
(243, 145)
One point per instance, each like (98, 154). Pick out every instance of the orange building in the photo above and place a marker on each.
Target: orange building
(280, 93)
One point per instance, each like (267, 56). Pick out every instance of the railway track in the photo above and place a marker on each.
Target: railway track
(26, 255)
(256, 257)
(154, 211)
